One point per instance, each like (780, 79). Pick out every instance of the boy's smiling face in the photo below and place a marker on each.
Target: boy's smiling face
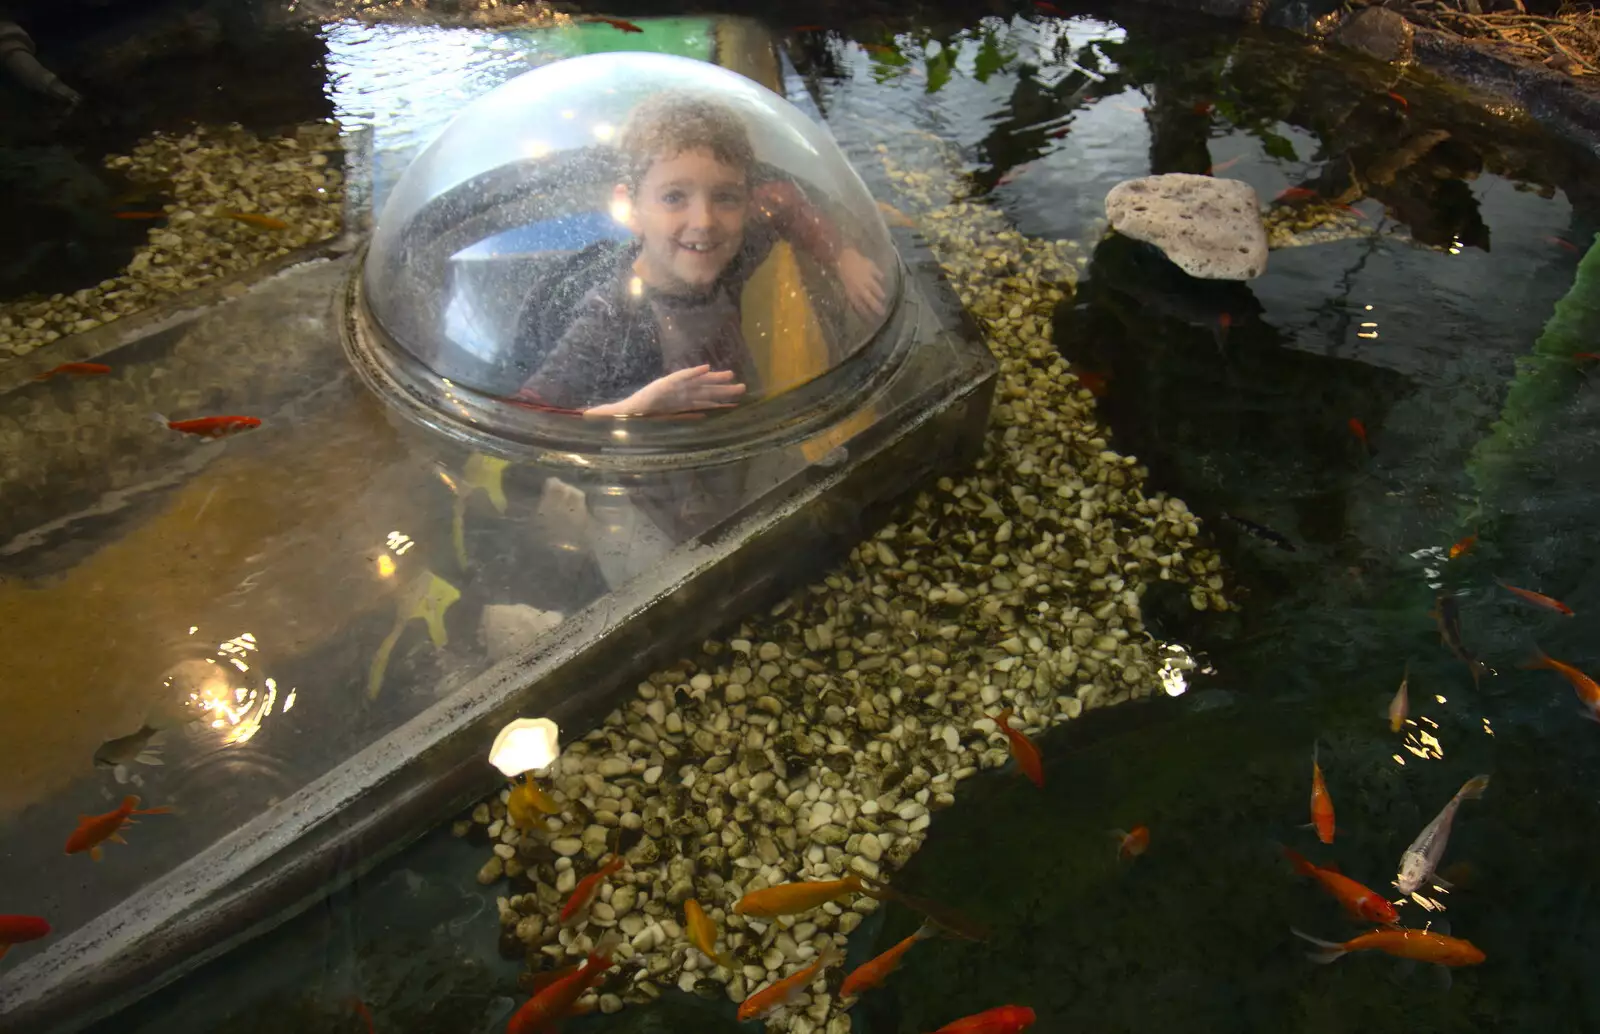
(689, 210)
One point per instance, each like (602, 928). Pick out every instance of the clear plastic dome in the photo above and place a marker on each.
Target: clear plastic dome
(627, 235)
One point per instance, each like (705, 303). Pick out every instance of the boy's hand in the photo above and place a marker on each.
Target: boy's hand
(863, 282)
(682, 391)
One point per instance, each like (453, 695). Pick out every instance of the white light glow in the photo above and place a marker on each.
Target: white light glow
(526, 745)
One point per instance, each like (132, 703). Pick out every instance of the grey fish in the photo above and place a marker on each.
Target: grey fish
(1422, 857)
(123, 751)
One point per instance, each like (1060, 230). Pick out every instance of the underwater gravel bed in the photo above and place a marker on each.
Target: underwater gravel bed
(820, 738)
(237, 200)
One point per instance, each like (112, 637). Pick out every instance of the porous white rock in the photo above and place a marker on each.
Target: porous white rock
(1210, 228)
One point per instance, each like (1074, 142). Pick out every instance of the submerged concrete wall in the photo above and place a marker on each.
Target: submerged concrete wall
(1568, 105)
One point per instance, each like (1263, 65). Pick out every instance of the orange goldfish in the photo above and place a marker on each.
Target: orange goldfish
(1538, 599)
(527, 802)
(1296, 194)
(94, 830)
(1004, 1019)
(1422, 945)
(703, 934)
(874, 972)
(20, 930)
(554, 1001)
(1360, 902)
(212, 426)
(577, 907)
(1399, 100)
(365, 1014)
(1224, 166)
(76, 369)
(1583, 685)
(1022, 748)
(1359, 429)
(265, 222)
(138, 215)
(1133, 843)
(1464, 545)
(790, 899)
(1321, 803)
(782, 992)
(1400, 706)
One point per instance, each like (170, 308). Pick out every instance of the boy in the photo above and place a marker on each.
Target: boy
(661, 333)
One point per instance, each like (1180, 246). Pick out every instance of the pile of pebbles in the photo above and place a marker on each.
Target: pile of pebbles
(821, 738)
(295, 178)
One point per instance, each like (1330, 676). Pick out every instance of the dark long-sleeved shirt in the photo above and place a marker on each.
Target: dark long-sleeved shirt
(616, 342)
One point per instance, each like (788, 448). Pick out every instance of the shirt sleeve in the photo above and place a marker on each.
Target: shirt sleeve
(794, 217)
(578, 369)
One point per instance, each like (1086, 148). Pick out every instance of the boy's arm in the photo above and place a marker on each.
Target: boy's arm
(574, 372)
(794, 217)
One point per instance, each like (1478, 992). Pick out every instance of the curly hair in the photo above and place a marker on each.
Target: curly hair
(668, 123)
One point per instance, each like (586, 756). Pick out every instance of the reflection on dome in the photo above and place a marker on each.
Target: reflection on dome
(626, 235)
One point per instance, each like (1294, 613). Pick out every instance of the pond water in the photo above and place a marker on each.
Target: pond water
(1414, 309)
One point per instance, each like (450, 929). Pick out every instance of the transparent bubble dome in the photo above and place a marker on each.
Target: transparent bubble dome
(629, 253)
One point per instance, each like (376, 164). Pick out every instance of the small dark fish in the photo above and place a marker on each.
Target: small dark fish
(123, 751)
(1448, 616)
(807, 28)
(1399, 100)
(615, 23)
(75, 369)
(1297, 194)
(1261, 531)
(138, 215)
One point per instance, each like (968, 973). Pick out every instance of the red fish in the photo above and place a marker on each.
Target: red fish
(365, 1014)
(615, 23)
(1097, 383)
(94, 830)
(1133, 843)
(784, 991)
(1464, 545)
(874, 972)
(1060, 134)
(583, 895)
(1047, 7)
(554, 1002)
(138, 215)
(212, 426)
(1399, 100)
(1321, 803)
(1583, 685)
(1357, 900)
(1202, 108)
(75, 369)
(265, 222)
(1359, 429)
(1004, 1019)
(1588, 357)
(1022, 748)
(1224, 166)
(20, 930)
(1562, 242)
(1296, 194)
(1421, 945)
(1538, 599)
(880, 49)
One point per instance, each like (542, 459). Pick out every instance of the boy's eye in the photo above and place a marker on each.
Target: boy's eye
(673, 197)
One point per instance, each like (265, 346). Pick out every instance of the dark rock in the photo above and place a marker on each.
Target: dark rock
(1377, 32)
